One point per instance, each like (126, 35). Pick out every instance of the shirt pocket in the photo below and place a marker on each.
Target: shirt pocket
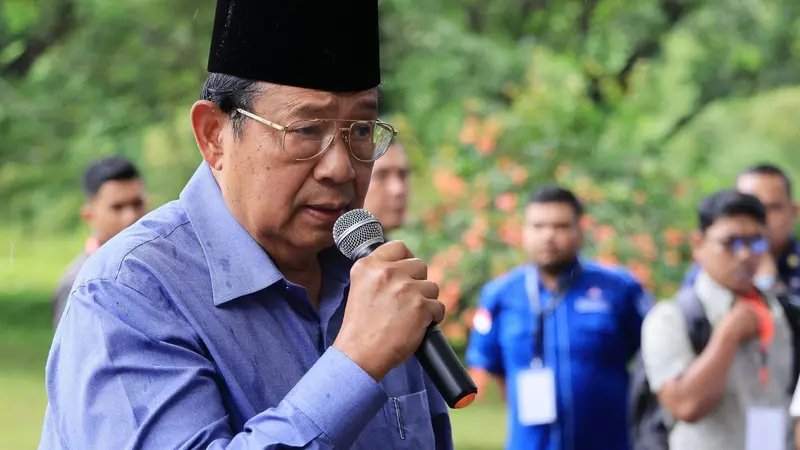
(596, 336)
(409, 420)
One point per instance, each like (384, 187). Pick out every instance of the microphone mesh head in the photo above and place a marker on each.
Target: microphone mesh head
(354, 229)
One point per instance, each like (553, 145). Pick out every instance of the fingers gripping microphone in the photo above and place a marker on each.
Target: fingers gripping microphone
(358, 233)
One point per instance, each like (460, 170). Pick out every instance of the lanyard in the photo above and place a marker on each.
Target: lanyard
(766, 330)
(540, 311)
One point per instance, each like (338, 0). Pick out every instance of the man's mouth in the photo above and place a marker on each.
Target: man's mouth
(327, 212)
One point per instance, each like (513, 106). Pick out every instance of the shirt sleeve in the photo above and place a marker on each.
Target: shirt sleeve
(666, 350)
(440, 417)
(126, 371)
(484, 350)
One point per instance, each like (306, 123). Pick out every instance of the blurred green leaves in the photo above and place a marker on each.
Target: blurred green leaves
(640, 107)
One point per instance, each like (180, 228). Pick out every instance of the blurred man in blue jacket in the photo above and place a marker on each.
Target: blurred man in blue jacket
(560, 333)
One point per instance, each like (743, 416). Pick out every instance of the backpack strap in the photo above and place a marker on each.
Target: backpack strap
(698, 326)
(791, 310)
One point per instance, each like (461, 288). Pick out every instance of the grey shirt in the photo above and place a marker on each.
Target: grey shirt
(667, 353)
(64, 287)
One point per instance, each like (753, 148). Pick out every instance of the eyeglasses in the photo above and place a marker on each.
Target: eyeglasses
(303, 140)
(755, 245)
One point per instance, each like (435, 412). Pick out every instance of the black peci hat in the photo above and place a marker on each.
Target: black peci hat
(325, 45)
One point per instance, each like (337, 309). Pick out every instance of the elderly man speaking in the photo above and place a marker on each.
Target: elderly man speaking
(227, 319)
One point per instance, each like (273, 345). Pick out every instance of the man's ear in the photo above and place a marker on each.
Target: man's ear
(208, 123)
(696, 240)
(86, 212)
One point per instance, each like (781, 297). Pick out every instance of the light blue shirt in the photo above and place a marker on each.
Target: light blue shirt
(181, 333)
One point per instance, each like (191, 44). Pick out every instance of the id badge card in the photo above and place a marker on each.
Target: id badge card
(766, 429)
(536, 396)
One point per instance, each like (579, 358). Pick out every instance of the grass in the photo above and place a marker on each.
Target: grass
(29, 270)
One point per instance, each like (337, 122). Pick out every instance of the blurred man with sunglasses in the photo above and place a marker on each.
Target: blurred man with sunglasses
(780, 267)
(723, 392)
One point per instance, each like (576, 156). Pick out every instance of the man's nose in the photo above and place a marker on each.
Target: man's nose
(336, 164)
(397, 187)
(130, 215)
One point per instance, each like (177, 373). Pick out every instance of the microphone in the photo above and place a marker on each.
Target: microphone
(358, 233)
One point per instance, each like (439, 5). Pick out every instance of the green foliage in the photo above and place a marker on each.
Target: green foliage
(640, 107)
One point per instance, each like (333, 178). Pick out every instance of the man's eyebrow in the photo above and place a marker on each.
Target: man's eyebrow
(323, 109)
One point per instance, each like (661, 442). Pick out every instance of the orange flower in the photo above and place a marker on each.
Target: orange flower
(642, 272)
(479, 201)
(506, 202)
(604, 233)
(473, 237)
(607, 259)
(511, 232)
(450, 294)
(587, 222)
(486, 144)
(518, 175)
(448, 184)
(672, 258)
(646, 245)
(673, 237)
(639, 197)
(469, 131)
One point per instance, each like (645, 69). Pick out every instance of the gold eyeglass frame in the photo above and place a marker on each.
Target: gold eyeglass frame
(343, 131)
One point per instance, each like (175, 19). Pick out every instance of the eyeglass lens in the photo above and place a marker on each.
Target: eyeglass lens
(367, 140)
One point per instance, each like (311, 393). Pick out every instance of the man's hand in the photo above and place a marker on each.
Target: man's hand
(741, 323)
(391, 304)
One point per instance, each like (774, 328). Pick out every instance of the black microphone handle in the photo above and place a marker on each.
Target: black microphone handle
(438, 359)
(445, 370)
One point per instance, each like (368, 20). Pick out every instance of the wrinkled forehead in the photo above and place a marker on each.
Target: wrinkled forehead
(303, 103)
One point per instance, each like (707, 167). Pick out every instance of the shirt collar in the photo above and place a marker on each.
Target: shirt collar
(236, 262)
(566, 279)
(716, 299)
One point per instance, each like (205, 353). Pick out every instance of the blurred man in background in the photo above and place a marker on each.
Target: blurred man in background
(115, 199)
(560, 333)
(719, 356)
(387, 197)
(779, 269)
